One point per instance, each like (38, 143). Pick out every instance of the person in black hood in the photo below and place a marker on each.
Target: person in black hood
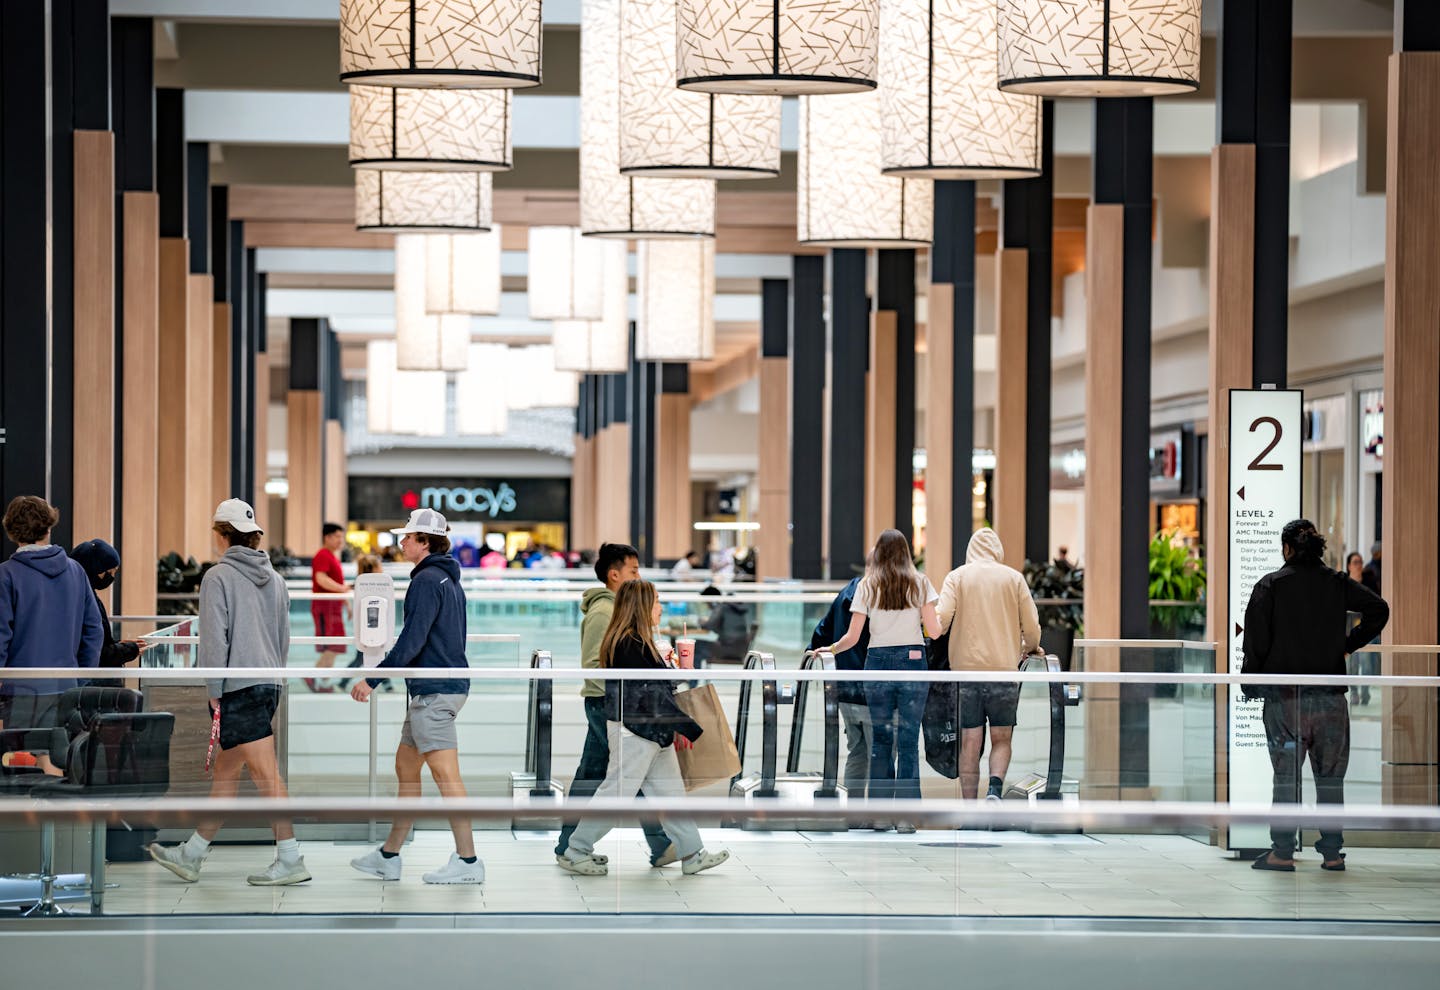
(100, 561)
(1296, 623)
(730, 622)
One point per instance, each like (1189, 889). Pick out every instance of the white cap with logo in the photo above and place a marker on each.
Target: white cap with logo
(426, 521)
(238, 514)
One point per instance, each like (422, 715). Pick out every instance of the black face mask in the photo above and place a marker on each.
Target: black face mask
(101, 583)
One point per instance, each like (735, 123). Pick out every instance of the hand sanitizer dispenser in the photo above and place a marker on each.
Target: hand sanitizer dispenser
(374, 616)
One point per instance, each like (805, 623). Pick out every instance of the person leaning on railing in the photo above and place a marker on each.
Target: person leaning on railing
(1296, 623)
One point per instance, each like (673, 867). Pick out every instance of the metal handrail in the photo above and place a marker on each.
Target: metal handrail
(769, 719)
(830, 769)
(539, 725)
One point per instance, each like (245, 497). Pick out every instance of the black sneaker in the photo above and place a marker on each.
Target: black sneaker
(993, 794)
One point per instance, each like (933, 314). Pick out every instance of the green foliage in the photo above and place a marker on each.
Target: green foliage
(1176, 574)
(1049, 581)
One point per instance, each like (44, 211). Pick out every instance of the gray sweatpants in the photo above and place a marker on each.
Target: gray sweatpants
(637, 763)
(857, 745)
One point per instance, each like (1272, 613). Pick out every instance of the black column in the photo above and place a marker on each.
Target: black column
(259, 344)
(25, 327)
(807, 416)
(197, 205)
(1123, 173)
(1039, 195)
(1253, 105)
(849, 358)
(307, 354)
(952, 262)
(895, 292)
(170, 161)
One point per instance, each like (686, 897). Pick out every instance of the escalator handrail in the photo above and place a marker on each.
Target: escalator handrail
(830, 770)
(539, 727)
(770, 720)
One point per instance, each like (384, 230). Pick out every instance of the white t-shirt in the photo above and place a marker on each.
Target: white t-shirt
(899, 627)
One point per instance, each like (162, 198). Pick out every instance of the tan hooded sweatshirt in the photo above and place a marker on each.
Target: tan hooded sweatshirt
(994, 617)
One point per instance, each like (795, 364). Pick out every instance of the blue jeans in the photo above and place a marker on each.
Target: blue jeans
(895, 710)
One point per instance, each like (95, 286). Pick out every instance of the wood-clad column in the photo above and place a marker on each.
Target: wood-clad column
(582, 470)
(171, 454)
(808, 496)
(199, 434)
(1411, 497)
(612, 462)
(1011, 273)
(772, 543)
(221, 353)
(337, 477)
(850, 469)
(674, 536)
(304, 435)
(880, 453)
(1117, 436)
(895, 297)
(93, 509)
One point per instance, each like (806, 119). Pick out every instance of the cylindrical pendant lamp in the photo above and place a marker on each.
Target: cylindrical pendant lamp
(406, 402)
(462, 273)
(599, 346)
(424, 341)
(843, 199)
(943, 117)
(459, 44)
(480, 392)
(421, 202)
(565, 274)
(668, 132)
(1099, 47)
(675, 307)
(781, 47)
(435, 130)
(611, 204)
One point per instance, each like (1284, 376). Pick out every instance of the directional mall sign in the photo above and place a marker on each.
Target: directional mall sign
(1265, 450)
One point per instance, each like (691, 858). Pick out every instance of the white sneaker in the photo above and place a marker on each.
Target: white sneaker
(280, 874)
(702, 861)
(993, 797)
(457, 871)
(375, 865)
(177, 860)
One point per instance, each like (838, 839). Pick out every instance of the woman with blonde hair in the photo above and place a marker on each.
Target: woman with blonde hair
(644, 726)
(897, 603)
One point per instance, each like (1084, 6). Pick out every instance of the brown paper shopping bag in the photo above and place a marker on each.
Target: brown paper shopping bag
(714, 757)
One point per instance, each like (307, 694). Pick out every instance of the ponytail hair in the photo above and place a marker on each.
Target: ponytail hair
(1304, 541)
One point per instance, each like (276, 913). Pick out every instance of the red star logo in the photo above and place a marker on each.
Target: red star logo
(410, 501)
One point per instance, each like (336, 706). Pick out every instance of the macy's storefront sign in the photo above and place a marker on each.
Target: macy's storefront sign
(486, 501)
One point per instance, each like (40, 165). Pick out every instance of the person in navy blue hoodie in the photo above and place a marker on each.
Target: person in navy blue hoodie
(48, 615)
(853, 709)
(433, 636)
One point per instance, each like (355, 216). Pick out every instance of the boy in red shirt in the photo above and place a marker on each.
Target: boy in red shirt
(327, 577)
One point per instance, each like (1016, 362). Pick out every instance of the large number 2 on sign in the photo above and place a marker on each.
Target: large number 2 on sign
(1258, 464)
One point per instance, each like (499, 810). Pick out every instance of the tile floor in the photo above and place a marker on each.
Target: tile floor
(857, 873)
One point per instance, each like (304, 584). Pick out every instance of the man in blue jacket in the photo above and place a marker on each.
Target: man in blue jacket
(433, 636)
(853, 710)
(48, 615)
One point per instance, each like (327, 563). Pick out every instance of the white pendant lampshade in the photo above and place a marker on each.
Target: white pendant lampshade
(1099, 47)
(480, 392)
(565, 274)
(843, 199)
(784, 47)
(611, 204)
(451, 43)
(668, 132)
(424, 341)
(462, 273)
(943, 116)
(533, 382)
(675, 308)
(407, 402)
(599, 346)
(421, 202)
(430, 129)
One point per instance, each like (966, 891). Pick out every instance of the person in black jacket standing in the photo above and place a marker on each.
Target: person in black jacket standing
(1295, 623)
(100, 561)
(853, 709)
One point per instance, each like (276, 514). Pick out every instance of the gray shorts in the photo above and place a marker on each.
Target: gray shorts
(995, 702)
(430, 722)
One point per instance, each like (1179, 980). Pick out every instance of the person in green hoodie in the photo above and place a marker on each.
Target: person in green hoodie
(615, 564)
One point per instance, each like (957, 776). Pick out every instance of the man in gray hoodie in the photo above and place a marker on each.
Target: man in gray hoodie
(245, 625)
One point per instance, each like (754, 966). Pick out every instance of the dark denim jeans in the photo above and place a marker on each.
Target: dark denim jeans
(594, 761)
(895, 710)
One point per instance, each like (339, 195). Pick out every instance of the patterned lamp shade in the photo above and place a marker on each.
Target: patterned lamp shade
(844, 200)
(460, 44)
(462, 273)
(665, 131)
(424, 341)
(480, 392)
(409, 402)
(675, 313)
(421, 202)
(565, 277)
(430, 129)
(611, 204)
(943, 117)
(1099, 47)
(782, 47)
(600, 346)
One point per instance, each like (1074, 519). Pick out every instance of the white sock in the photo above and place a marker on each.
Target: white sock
(288, 850)
(197, 846)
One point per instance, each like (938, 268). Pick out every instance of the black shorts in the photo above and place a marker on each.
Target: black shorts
(248, 715)
(988, 701)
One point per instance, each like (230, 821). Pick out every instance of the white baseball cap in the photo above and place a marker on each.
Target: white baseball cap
(238, 514)
(426, 521)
